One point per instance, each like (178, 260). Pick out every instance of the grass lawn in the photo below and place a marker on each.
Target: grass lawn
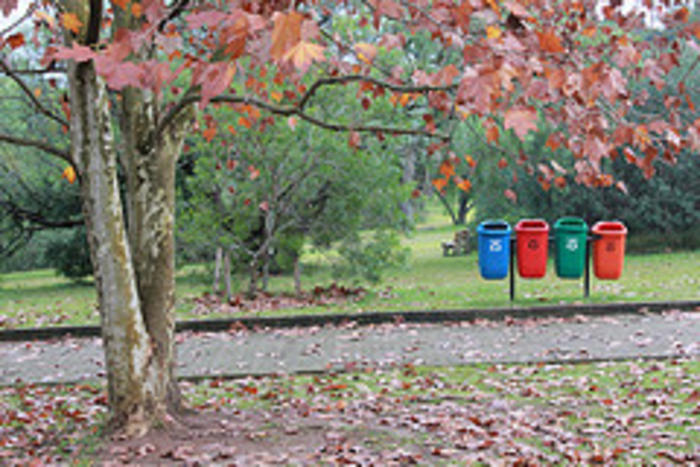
(427, 281)
(634, 412)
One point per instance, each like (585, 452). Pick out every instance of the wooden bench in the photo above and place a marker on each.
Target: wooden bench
(457, 246)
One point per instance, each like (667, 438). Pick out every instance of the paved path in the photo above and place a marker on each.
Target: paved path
(318, 349)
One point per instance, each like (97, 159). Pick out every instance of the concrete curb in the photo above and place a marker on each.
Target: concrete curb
(416, 316)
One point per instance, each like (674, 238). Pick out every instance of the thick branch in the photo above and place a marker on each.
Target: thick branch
(20, 213)
(353, 78)
(28, 92)
(54, 151)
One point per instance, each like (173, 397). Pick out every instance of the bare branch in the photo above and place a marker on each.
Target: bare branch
(28, 92)
(46, 147)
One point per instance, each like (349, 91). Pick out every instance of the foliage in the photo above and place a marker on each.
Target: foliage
(70, 256)
(369, 257)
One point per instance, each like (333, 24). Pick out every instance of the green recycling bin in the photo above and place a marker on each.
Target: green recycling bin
(570, 247)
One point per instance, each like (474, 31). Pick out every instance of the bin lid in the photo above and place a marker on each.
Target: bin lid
(609, 228)
(571, 224)
(494, 226)
(532, 225)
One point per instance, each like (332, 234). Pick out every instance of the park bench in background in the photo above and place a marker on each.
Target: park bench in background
(459, 245)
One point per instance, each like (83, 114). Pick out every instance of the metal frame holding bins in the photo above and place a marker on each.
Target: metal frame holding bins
(550, 239)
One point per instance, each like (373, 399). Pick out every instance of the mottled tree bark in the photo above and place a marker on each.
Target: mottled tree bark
(128, 348)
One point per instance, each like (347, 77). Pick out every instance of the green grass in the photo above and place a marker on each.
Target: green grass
(427, 281)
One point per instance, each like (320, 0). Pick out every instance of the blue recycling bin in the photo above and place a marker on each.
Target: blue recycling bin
(494, 248)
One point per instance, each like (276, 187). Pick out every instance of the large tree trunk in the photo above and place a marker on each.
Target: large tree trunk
(149, 161)
(128, 350)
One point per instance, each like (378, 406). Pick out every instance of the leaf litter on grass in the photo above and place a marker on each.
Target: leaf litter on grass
(609, 412)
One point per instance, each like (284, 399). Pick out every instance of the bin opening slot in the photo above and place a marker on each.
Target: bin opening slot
(495, 226)
(532, 225)
(611, 227)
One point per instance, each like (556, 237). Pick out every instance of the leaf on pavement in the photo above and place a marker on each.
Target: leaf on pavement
(550, 42)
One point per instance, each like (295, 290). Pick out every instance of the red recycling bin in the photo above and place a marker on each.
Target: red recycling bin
(609, 249)
(532, 245)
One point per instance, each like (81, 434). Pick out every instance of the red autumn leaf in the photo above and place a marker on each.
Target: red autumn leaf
(121, 3)
(231, 189)
(16, 40)
(77, 52)
(550, 42)
(470, 161)
(292, 122)
(560, 182)
(231, 164)
(503, 163)
(354, 139)
(71, 22)
(209, 134)
(492, 134)
(522, 120)
(254, 173)
(510, 194)
(366, 103)
(553, 141)
(415, 193)
(264, 206)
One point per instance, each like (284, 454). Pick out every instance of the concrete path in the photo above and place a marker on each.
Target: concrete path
(319, 349)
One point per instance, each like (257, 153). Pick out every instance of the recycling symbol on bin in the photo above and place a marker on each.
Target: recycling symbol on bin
(495, 246)
(572, 244)
(533, 244)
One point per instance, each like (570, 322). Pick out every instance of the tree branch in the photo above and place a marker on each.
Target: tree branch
(353, 78)
(54, 151)
(28, 92)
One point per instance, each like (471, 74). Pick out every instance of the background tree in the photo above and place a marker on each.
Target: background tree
(523, 66)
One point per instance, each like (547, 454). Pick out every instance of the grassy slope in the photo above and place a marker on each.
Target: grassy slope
(428, 281)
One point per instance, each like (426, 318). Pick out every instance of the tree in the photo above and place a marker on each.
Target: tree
(522, 66)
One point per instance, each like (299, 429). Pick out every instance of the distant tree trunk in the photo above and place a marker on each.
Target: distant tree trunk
(463, 208)
(409, 172)
(217, 269)
(227, 275)
(448, 208)
(297, 275)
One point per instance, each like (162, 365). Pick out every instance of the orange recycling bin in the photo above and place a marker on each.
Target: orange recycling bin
(608, 249)
(532, 247)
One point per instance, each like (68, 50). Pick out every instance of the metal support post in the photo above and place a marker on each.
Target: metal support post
(511, 270)
(587, 268)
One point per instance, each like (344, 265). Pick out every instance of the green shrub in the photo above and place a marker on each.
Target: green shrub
(70, 255)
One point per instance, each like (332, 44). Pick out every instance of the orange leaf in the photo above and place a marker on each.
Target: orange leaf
(553, 141)
(37, 92)
(440, 183)
(69, 174)
(232, 129)
(136, 10)
(494, 6)
(276, 96)
(492, 32)
(16, 40)
(560, 182)
(447, 169)
(365, 52)
(71, 22)
(292, 122)
(209, 134)
(254, 173)
(242, 121)
(503, 163)
(492, 134)
(305, 53)
(464, 185)
(470, 161)
(121, 3)
(550, 42)
(286, 33)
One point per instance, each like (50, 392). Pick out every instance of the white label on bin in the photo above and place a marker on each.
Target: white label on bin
(495, 246)
(572, 244)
